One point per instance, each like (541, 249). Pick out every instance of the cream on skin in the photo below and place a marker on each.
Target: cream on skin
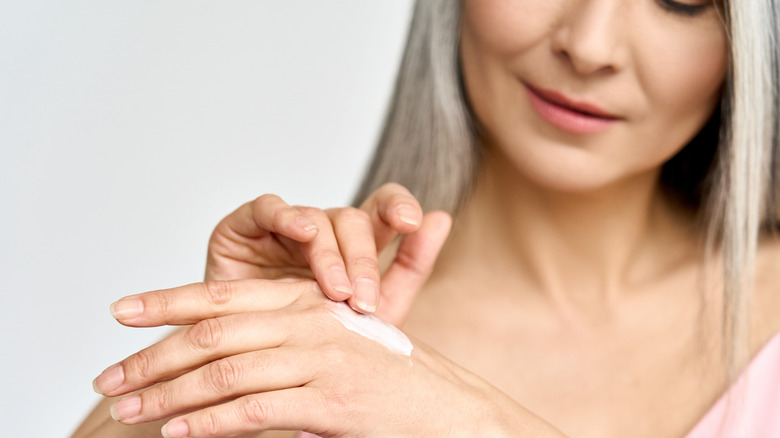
(372, 328)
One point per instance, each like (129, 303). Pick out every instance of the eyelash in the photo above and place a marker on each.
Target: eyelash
(682, 8)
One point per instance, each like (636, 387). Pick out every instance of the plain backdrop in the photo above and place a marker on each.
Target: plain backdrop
(129, 129)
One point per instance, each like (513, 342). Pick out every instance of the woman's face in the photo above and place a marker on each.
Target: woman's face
(577, 94)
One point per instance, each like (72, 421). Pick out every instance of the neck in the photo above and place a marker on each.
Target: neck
(577, 249)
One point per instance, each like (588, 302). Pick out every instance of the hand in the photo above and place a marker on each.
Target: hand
(267, 238)
(239, 245)
(287, 363)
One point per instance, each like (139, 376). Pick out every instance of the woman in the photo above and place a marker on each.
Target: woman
(612, 170)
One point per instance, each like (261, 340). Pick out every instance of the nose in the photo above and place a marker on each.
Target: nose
(588, 36)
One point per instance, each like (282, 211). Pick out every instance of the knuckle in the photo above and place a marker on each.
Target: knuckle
(282, 216)
(164, 303)
(319, 216)
(410, 263)
(337, 400)
(255, 411)
(335, 356)
(210, 423)
(141, 364)
(403, 198)
(326, 254)
(310, 314)
(206, 334)
(309, 211)
(365, 263)
(392, 188)
(351, 214)
(158, 399)
(264, 199)
(218, 293)
(222, 375)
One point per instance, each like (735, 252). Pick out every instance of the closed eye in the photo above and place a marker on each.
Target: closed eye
(683, 8)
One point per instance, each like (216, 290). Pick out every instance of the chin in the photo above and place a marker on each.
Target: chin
(566, 169)
(568, 179)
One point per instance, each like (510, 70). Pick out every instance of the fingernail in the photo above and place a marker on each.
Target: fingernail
(126, 408)
(365, 294)
(305, 223)
(339, 280)
(109, 380)
(406, 213)
(127, 308)
(175, 429)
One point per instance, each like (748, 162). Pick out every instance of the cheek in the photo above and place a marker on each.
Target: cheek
(670, 87)
(681, 84)
(493, 34)
(682, 78)
(502, 27)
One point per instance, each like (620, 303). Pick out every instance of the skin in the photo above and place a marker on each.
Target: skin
(659, 71)
(267, 238)
(239, 243)
(592, 202)
(568, 240)
(588, 278)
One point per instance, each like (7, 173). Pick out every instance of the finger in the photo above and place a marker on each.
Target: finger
(325, 259)
(412, 265)
(198, 301)
(188, 349)
(269, 213)
(289, 409)
(215, 382)
(393, 209)
(355, 236)
(257, 239)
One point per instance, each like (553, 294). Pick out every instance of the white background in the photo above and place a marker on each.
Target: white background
(128, 129)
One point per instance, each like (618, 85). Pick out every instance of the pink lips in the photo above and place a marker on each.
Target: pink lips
(569, 115)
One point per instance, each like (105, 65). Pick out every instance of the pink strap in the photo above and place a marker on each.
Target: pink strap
(752, 409)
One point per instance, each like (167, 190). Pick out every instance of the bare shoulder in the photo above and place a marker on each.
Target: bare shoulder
(766, 309)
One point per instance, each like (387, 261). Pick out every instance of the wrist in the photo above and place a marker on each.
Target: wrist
(497, 415)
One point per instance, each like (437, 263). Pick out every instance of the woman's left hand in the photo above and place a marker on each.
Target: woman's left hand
(272, 354)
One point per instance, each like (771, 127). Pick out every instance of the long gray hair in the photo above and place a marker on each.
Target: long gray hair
(428, 144)
(728, 173)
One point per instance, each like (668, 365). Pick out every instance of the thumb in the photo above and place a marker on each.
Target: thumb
(411, 267)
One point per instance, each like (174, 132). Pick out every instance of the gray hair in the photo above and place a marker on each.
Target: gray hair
(428, 144)
(743, 196)
(729, 174)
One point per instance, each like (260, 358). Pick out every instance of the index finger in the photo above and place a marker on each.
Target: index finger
(270, 214)
(198, 301)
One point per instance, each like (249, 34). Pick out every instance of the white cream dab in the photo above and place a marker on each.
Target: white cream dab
(372, 328)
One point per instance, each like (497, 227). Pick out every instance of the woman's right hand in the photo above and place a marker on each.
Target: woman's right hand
(264, 239)
(268, 239)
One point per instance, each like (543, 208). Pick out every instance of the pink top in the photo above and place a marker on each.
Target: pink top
(750, 410)
(752, 407)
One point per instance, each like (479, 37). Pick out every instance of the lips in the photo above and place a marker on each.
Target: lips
(577, 117)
